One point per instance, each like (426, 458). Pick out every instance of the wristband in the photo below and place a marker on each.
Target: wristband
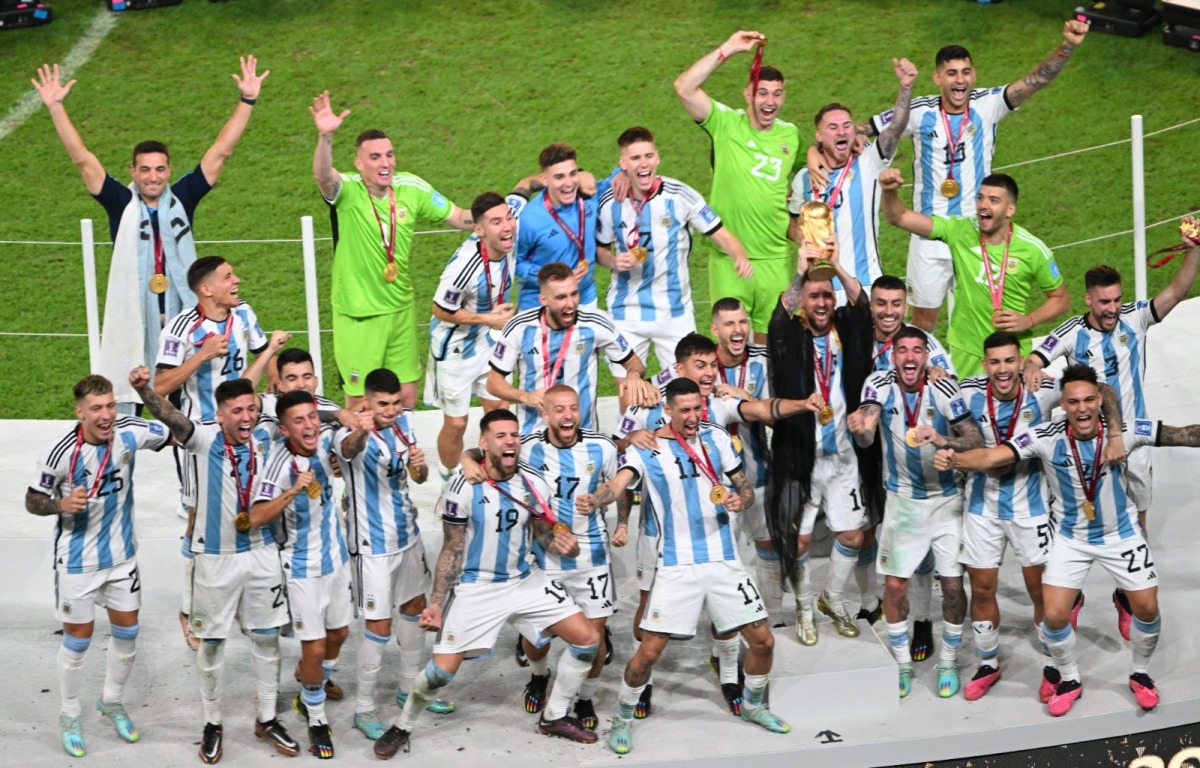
(248, 100)
(721, 53)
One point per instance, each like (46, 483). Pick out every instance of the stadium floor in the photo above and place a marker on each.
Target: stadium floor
(690, 723)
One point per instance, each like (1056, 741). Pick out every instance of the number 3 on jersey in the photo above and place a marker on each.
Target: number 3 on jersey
(768, 168)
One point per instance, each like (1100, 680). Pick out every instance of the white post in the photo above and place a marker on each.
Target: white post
(310, 296)
(1139, 211)
(89, 294)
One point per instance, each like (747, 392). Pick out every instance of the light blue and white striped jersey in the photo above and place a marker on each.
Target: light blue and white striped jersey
(312, 540)
(692, 529)
(217, 503)
(757, 381)
(938, 356)
(932, 153)
(181, 338)
(833, 438)
(580, 468)
(660, 287)
(520, 349)
(855, 211)
(464, 285)
(383, 517)
(722, 411)
(909, 471)
(1117, 357)
(102, 535)
(497, 540)
(1019, 493)
(1116, 514)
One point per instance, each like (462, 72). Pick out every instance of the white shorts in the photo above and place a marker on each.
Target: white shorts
(647, 560)
(76, 595)
(450, 383)
(594, 590)
(1128, 561)
(249, 585)
(474, 613)
(930, 272)
(984, 540)
(911, 527)
(320, 603)
(679, 593)
(835, 488)
(665, 334)
(1139, 473)
(383, 583)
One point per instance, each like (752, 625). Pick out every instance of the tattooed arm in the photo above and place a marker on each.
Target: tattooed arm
(743, 492)
(790, 298)
(861, 424)
(775, 409)
(181, 426)
(1187, 437)
(559, 541)
(608, 493)
(906, 74)
(620, 536)
(1049, 67)
(446, 572)
(966, 436)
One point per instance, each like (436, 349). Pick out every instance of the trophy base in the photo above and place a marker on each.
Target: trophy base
(821, 269)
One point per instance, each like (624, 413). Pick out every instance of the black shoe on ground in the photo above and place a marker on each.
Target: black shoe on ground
(733, 697)
(391, 742)
(870, 616)
(585, 713)
(535, 693)
(643, 708)
(320, 741)
(566, 728)
(921, 645)
(274, 734)
(210, 744)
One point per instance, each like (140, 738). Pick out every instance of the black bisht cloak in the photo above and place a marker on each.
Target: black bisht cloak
(793, 444)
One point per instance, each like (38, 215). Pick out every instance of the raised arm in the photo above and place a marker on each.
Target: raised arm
(906, 74)
(249, 84)
(1048, 68)
(354, 443)
(978, 460)
(1186, 437)
(327, 123)
(49, 86)
(460, 219)
(607, 493)
(777, 409)
(894, 209)
(1181, 284)
(181, 426)
(262, 360)
(688, 85)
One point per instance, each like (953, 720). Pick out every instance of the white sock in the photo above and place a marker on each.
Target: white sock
(951, 640)
(753, 690)
(70, 671)
(411, 639)
(588, 688)
(842, 561)
(314, 701)
(727, 655)
(540, 667)
(424, 690)
(210, 662)
(264, 648)
(1143, 638)
(370, 661)
(802, 584)
(987, 643)
(118, 663)
(1063, 651)
(185, 606)
(770, 582)
(627, 699)
(573, 666)
(898, 638)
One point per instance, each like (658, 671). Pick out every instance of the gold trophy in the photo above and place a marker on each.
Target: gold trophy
(816, 222)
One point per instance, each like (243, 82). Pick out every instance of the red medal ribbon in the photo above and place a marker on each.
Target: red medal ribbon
(824, 369)
(836, 192)
(1012, 423)
(1089, 488)
(540, 509)
(388, 240)
(493, 298)
(296, 467)
(953, 148)
(160, 266)
(243, 494)
(550, 375)
(882, 350)
(756, 69)
(634, 236)
(910, 417)
(103, 465)
(706, 467)
(995, 288)
(196, 326)
(577, 239)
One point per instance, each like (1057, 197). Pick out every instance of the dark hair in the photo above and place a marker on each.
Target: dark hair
(950, 53)
(831, 107)
(381, 381)
(555, 154)
(292, 356)
(200, 270)
(369, 135)
(554, 271)
(290, 400)
(484, 203)
(150, 147)
(1078, 372)
(999, 339)
(1002, 180)
(770, 74)
(680, 386)
(228, 390)
(888, 283)
(727, 304)
(694, 344)
(911, 332)
(92, 385)
(500, 414)
(1101, 276)
(634, 135)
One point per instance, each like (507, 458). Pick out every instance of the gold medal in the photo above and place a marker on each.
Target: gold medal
(825, 415)
(995, 318)
(950, 188)
(910, 437)
(314, 490)
(718, 494)
(242, 522)
(561, 528)
(1089, 510)
(737, 443)
(391, 272)
(159, 283)
(639, 254)
(1190, 230)
(582, 263)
